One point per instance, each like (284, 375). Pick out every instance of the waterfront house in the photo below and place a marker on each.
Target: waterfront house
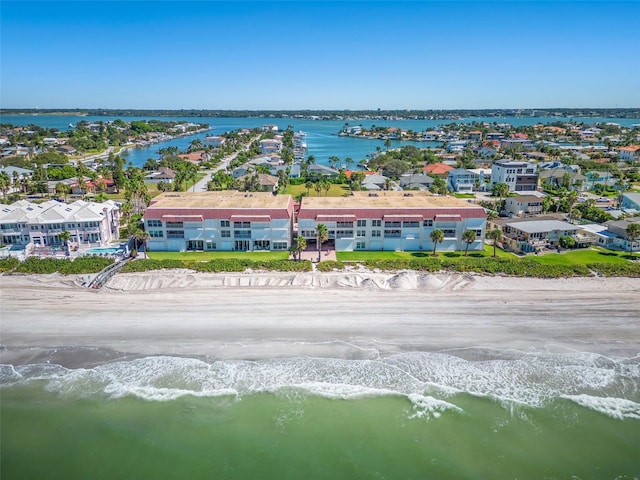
(219, 221)
(519, 176)
(523, 205)
(532, 235)
(163, 174)
(270, 146)
(318, 171)
(392, 220)
(33, 225)
(196, 157)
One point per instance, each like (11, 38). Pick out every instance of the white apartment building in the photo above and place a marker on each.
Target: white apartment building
(223, 221)
(392, 220)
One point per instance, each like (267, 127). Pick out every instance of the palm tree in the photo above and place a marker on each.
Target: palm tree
(318, 187)
(437, 236)
(633, 234)
(469, 237)
(140, 238)
(501, 190)
(65, 236)
(308, 185)
(495, 235)
(5, 183)
(298, 247)
(322, 233)
(326, 186)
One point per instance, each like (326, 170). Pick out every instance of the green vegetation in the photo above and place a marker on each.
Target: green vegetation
(208, 256)
(79, 266)
(569, 264)
(219, 265)
(335, 190)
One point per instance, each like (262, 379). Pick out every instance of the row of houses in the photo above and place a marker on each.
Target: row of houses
(24, 223)
(533, 235)
(231, 220)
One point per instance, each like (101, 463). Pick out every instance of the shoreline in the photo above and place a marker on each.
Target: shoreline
(359, 315)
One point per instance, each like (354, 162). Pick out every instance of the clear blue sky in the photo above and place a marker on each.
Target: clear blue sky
(319, 55)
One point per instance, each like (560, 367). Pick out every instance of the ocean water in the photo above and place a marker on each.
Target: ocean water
(470, 413)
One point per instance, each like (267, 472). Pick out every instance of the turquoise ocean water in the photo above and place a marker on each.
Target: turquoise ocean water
(464, 414)
(322, 138)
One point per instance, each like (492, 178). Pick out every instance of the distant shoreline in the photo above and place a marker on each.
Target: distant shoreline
(399, 114)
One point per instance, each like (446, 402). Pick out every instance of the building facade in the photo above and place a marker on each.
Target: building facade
(219, 221)
(392, 221)
(40, 224)
(520, 176)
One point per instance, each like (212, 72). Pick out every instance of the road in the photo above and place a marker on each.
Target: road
(201, 185)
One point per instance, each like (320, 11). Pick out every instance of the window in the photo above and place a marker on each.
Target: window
(392, 233)
(344, 233)
(361, 233)
(210, 245)
(449, 233)
(241, 224)
(175, 225)
(155, 233)
(360, 245)
(427, 223)
(376, 223)
(344, 224)
(410, 224)
(154, 223)
(224, 223)
(242, 233)
(375, 233)
(225, 234)
(175, 234)
(279, 245)
(392, 224)
(362, 223)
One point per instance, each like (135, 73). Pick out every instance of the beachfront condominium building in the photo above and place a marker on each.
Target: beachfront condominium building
(25, 223)
(392, 220)
(520, 176)
(219, 221)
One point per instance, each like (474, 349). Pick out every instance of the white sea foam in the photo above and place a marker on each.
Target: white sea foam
(614, 407)
(428, 407)
(594, 381)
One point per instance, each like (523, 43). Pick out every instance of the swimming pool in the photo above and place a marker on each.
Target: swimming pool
(104, 251)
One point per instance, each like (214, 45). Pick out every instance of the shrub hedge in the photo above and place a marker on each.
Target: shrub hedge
(506, 266)
(219, 265)
(81, 265)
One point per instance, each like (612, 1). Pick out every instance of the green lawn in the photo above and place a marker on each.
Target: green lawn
(206, 256)
(575, 257)
(582, 257)
(336, 190)
(378, 255)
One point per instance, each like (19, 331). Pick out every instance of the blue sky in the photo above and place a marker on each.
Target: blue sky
(319, 55)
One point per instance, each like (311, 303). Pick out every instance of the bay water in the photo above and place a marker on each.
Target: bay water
(322, 135)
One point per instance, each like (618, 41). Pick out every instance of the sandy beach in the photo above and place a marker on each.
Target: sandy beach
(343, 315)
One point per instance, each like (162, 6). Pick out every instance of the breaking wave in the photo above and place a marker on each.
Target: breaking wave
(427, 380)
